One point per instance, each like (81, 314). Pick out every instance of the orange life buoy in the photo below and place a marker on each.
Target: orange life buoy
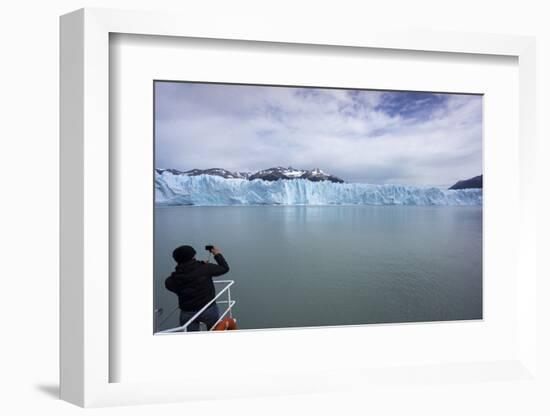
(226, 324)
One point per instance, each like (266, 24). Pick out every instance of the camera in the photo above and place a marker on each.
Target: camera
(208, 248)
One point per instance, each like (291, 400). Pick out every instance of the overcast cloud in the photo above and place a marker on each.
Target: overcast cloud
(360, 136)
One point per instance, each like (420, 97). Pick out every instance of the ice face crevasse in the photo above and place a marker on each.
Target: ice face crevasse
(173, 189)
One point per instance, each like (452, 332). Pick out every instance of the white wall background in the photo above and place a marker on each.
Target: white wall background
(29, 206)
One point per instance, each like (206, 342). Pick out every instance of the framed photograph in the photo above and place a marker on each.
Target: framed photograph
(304, 205)
(260, 170)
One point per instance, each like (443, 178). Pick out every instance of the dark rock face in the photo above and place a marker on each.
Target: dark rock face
(472, 183)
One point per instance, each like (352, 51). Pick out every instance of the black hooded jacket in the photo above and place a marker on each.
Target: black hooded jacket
(192, 282)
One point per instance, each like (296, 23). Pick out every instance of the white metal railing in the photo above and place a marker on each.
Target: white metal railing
(230, 303)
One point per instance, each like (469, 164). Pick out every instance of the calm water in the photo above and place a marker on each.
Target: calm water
(333, 265)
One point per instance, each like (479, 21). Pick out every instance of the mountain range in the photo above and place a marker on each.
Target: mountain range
(271, 174)
(313, 175)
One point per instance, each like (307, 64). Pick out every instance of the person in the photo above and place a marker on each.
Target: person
(192, 282)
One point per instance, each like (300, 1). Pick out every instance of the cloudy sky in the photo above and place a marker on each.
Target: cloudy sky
(360, 136)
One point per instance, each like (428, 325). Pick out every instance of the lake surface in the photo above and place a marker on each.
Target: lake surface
(298, 266)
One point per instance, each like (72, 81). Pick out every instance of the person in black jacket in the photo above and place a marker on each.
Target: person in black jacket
(192, 282)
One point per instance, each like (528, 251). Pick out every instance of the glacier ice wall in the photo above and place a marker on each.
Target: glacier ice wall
(213, 190)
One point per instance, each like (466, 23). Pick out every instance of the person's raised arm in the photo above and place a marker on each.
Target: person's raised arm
(217, 269)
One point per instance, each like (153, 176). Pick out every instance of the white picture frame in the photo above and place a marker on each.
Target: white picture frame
(85, 210)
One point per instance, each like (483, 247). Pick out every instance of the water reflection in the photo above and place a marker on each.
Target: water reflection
(334, 265)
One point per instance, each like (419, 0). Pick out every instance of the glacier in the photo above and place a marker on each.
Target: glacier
(205, 190)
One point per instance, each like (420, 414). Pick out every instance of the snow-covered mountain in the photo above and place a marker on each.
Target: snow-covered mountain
(224, 173)
(271, 174)
(207, 189)
(317, 175)
(172, 171)
(274, 174)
